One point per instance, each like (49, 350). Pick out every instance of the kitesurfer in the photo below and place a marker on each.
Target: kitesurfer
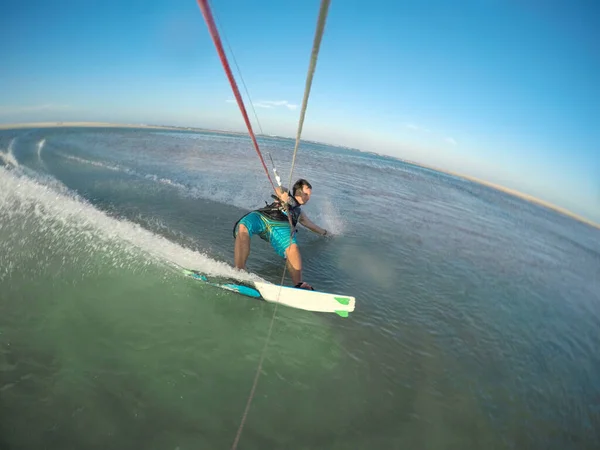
(272, 224)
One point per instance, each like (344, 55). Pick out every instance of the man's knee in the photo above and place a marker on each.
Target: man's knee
(293, 257)
(292, 250)
(242, 229)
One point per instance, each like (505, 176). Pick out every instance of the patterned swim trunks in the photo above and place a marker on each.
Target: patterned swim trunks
(275, 232)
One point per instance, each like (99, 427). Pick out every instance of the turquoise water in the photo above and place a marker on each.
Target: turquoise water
(477, 321)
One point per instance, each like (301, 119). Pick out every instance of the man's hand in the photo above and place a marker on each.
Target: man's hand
(283, 196)
(304, 220)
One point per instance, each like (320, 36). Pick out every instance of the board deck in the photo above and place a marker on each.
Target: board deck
(295, 298)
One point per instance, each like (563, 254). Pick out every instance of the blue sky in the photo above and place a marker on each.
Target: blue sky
(508, 91)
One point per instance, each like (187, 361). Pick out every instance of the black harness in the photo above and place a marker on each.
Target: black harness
(277, 211)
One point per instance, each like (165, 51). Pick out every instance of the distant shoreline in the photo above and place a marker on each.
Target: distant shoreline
(498, 187)
(514, 193)
(14, 126)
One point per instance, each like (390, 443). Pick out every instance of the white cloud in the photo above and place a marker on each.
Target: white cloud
(414, 127)
(275, 104)
(270, 104)
(419, 128)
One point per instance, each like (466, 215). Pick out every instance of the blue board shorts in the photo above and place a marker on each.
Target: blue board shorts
(275, 232)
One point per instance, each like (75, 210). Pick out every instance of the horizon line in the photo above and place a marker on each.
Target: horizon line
(498, 187)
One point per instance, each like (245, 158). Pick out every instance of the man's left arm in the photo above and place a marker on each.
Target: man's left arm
(311, 226)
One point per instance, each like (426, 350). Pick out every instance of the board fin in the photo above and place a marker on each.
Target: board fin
(343, 300)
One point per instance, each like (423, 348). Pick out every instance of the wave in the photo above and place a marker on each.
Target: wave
(65, 217)
(8, 158)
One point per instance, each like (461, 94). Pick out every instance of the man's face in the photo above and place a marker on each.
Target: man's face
(304, 196)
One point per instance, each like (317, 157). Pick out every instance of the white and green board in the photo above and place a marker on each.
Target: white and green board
(289, 296)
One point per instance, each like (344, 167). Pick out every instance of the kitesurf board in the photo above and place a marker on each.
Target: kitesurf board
(293, 297)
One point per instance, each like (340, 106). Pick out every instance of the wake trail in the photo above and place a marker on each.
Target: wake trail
(66, 216)
(8, 157)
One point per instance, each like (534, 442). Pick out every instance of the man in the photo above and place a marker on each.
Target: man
(271, 223)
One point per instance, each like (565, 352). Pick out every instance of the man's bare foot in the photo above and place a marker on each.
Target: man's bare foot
(304, 285)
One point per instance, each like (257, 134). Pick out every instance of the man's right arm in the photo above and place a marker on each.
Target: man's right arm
(282, 193)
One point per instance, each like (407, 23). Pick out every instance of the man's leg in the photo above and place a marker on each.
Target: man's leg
(242, 247)
(288, 248)
(294, 263)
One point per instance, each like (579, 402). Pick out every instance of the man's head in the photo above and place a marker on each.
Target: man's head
(302, 190)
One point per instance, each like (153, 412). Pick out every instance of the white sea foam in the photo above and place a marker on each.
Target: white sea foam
(40, 146)
(65, 217)
(8, 157)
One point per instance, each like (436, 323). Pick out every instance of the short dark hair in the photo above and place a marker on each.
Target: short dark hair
(299, 185)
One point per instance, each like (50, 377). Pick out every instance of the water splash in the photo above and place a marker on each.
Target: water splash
(8, 157)
(329, 217)
(40, 146)
(68, 220)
